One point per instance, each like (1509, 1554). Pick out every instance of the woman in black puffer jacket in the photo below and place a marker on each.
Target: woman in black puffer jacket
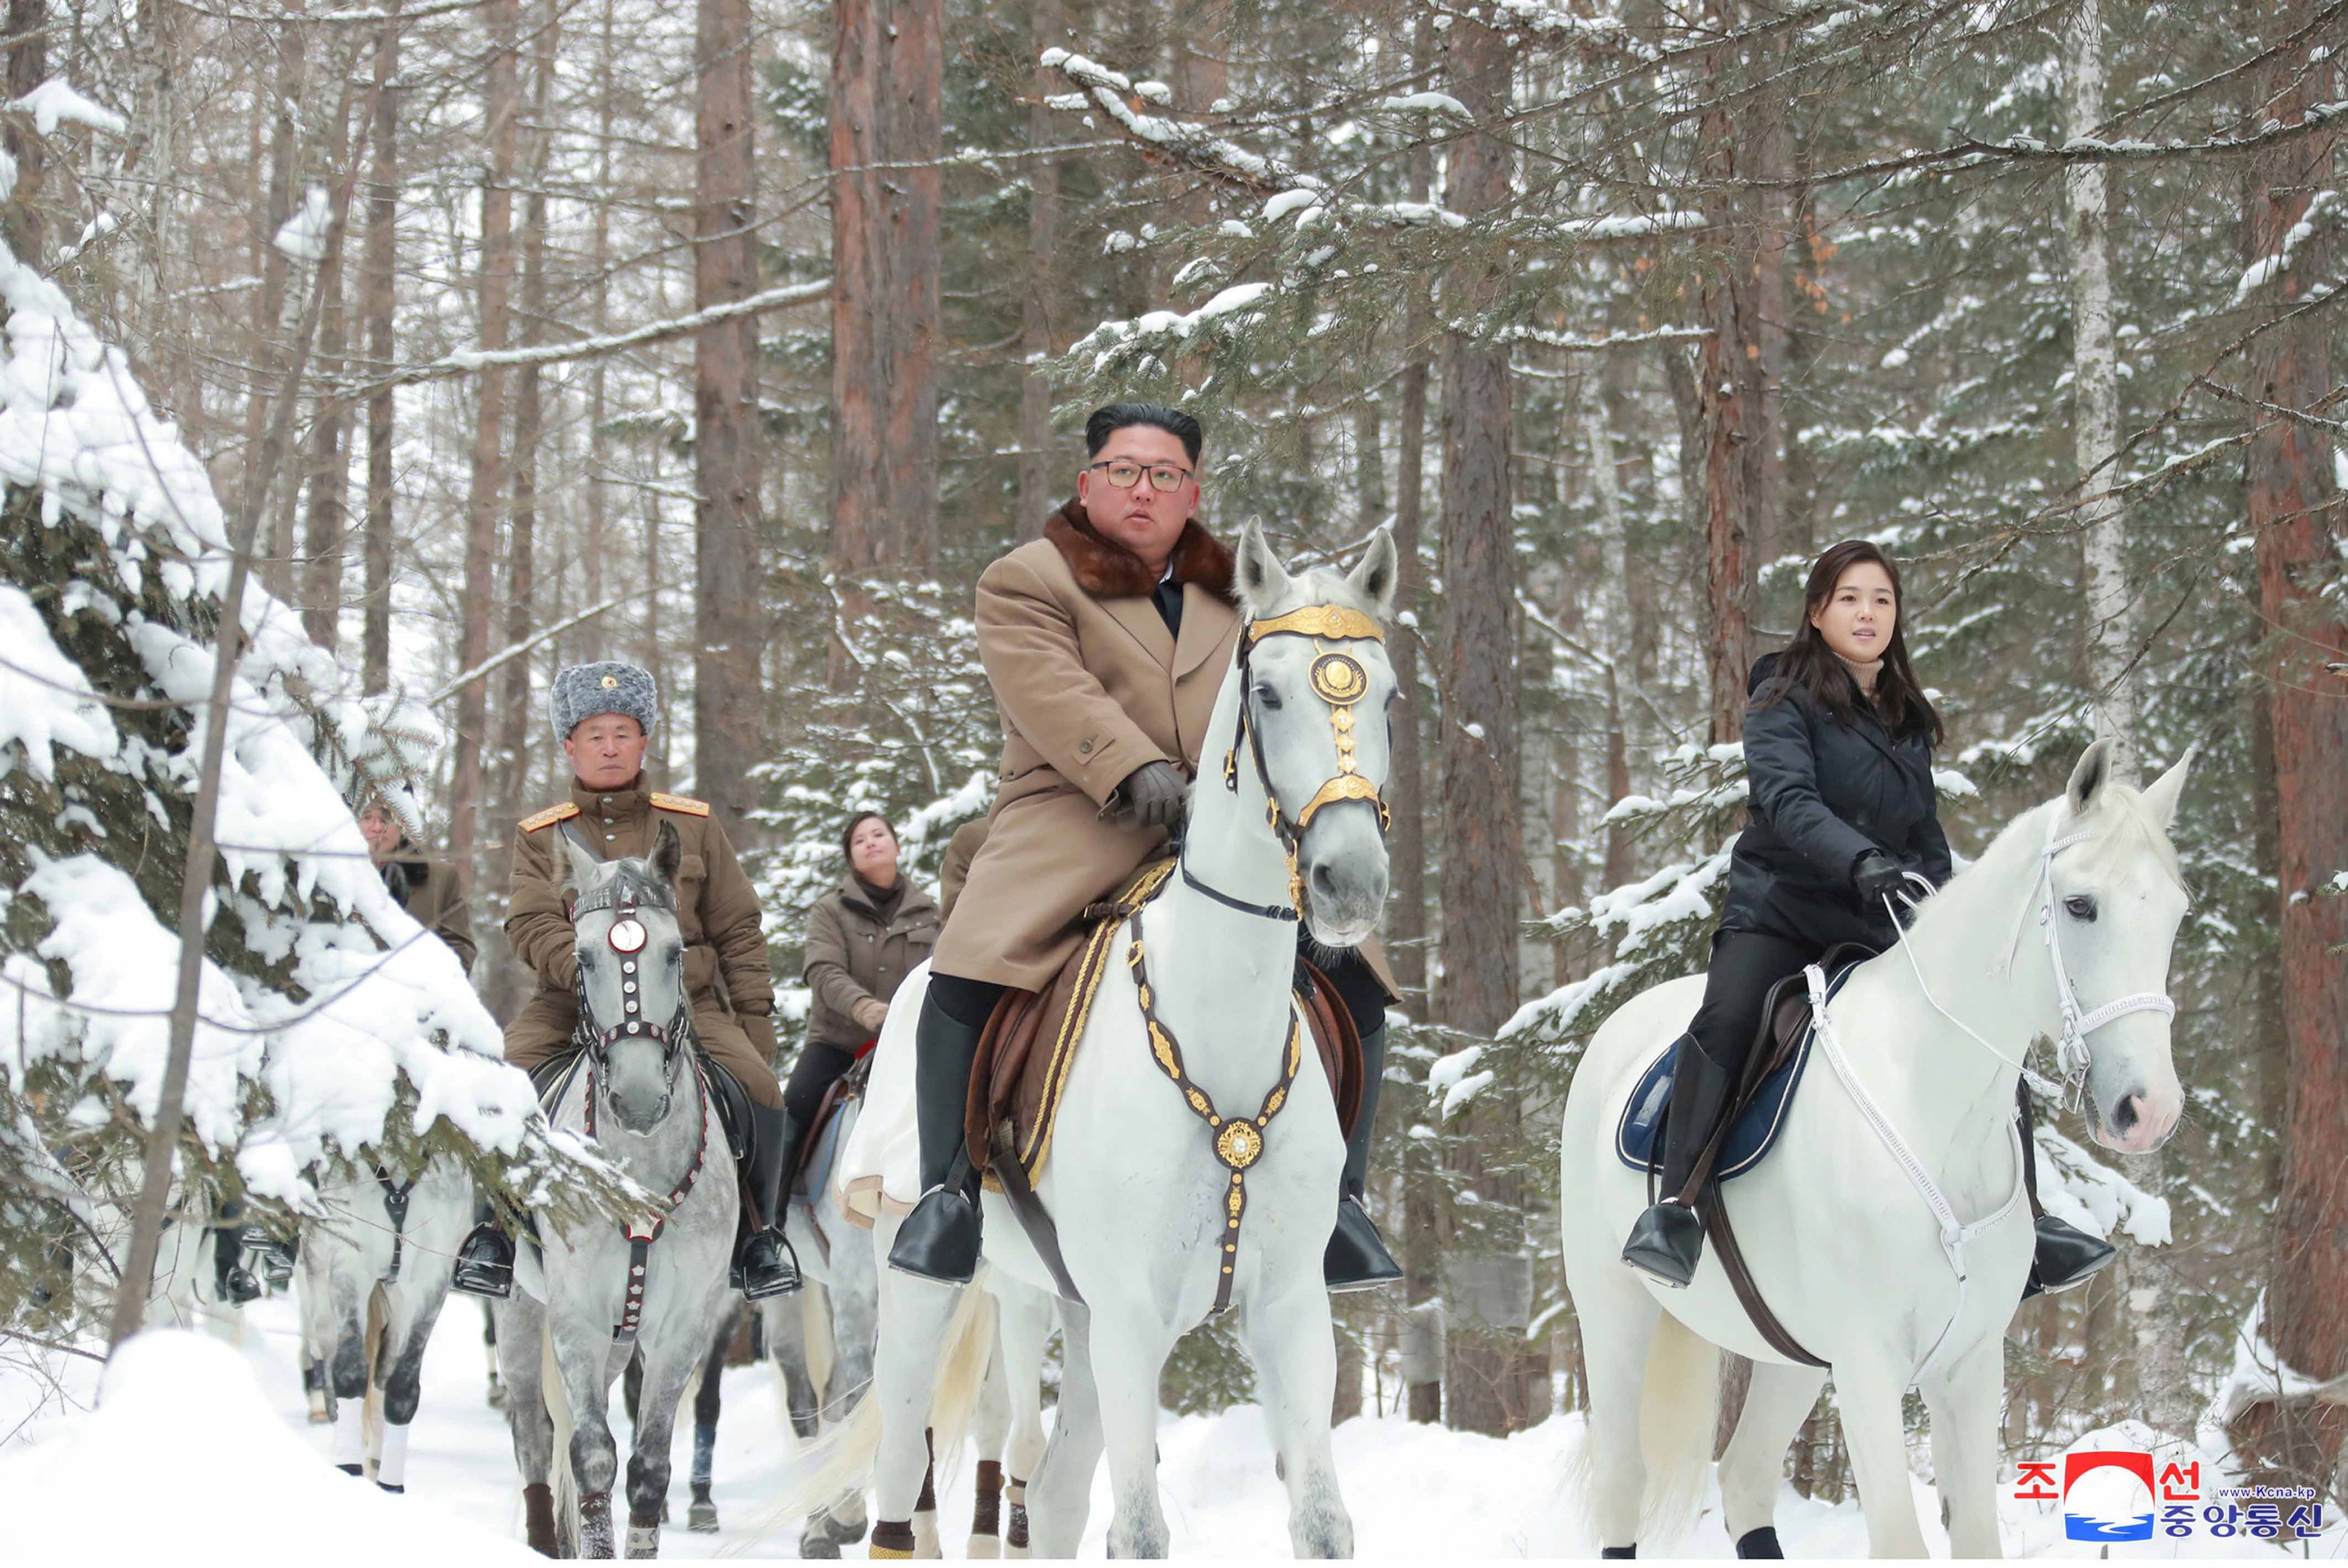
(1838, 765)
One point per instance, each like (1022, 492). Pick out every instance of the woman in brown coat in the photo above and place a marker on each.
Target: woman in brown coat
(863, 938)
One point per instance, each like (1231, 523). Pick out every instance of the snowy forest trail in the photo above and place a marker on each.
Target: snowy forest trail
(1417, 1492)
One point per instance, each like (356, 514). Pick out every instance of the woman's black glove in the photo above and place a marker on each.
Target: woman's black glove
(1877, 876)
(1151, 797)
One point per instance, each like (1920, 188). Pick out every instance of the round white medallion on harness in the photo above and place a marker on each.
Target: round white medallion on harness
(628, 935)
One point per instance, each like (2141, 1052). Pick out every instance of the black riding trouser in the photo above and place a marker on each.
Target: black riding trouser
(1745, 964)
(820, 1067)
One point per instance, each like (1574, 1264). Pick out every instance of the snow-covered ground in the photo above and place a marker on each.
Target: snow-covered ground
(201, 1453)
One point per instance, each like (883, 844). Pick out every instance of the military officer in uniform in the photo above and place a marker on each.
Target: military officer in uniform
(604, 714)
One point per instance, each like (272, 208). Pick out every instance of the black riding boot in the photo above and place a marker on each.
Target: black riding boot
(939, 1240)
(234, 1281)
(485, 1258)
(1667, 1241)
(764, 1264)
(2065, 1256)
(1356, 1257)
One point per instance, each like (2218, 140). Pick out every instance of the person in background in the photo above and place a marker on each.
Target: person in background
(863, 938)
(604, 714)
(425, 888)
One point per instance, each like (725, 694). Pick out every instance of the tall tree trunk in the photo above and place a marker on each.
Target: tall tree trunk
(1037, 485)
(501, 104)
(2095, 393)
(514, 705)
(269, 308)
(1730, 401)
(27, 43)
(330, 462)
(1613, 599)
(1489, 1383)
(887, 135)
(729, 620)
(382, 278)
(1407, 906)
(2295, 516)
(599, 260)
(650, 657)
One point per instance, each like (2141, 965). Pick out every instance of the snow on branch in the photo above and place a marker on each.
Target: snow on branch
(470, 361)
(55, 101)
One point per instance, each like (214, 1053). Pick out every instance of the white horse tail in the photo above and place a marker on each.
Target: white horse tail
(815, 1340)
(962, 1375)
(844, 1453)
(371, 1409)
(1679, 1407)
(558, 1409)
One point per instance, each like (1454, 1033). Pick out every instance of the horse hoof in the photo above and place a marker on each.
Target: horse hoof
(1618, 1552)
(1761, 1542)
(805, 1426)
(844, 1534)
(497, 1396)
(319, 1414)
(643, 1540)
(351, 1469)
(925, 1533)
(395, 1491)
(703, 1518)
(817, 1542)
(984, 1545)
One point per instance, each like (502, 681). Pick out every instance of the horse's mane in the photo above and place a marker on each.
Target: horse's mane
(2121, 822)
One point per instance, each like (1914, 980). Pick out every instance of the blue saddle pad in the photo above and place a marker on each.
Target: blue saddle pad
(1637, 1138)
(829, 1141)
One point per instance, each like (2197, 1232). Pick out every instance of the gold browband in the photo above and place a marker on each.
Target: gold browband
(1333, 620)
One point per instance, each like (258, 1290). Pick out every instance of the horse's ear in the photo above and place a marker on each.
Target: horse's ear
(2092, 772)
(1262, 577)
(668, 854)
(1374, 577)
(2160, 797)
(581, 866)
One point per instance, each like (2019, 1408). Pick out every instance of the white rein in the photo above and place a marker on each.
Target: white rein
(2072, 1057)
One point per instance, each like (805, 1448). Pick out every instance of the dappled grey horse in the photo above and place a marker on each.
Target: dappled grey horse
(599, 1292)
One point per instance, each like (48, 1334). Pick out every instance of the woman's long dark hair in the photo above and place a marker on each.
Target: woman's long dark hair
(1807, 664)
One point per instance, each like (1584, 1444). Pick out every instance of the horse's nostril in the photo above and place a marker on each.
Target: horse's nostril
(2124, 1115)
(1322, 881)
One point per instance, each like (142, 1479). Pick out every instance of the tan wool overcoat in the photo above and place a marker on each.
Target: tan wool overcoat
(717, 913)
(1091, 685)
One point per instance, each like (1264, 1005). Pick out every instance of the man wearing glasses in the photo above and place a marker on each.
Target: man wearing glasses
(1107, 643)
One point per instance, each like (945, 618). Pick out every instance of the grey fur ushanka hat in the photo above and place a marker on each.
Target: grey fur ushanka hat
(607, 686)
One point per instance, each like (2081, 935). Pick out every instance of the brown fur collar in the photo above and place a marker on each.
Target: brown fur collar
(1106, 569)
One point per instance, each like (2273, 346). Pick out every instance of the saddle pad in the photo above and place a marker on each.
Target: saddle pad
(1030, 1042)
(1638, 1137)
(821, 1153)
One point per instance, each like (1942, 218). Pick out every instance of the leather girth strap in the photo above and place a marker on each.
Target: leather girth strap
(395, 1203)
(1785, 1018)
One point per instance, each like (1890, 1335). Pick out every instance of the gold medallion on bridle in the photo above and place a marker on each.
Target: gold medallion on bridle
(1238, 1145)
(1339, 679)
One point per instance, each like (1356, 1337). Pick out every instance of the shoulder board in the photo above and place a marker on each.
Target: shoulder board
(551, 815)
(680, 803)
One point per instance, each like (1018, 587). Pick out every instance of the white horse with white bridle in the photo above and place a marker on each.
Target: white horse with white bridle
(1197, 1156)
(1887, 1230)
(603, 1291)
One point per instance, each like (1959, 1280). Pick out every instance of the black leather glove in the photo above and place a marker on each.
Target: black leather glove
(1151, 797)
(1877, 876)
